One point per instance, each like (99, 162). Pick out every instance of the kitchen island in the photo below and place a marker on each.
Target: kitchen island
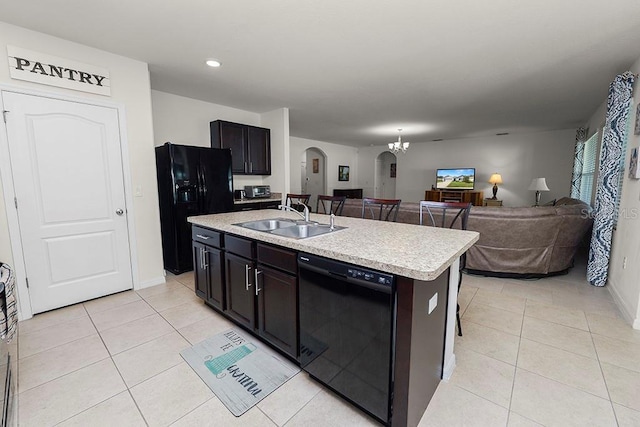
(423, 260)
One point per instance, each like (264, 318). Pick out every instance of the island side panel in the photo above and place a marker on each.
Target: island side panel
(420, 340)
(449, 356)
(404, 314)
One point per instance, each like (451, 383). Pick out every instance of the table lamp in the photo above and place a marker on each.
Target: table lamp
(495, 179)
(538, 185)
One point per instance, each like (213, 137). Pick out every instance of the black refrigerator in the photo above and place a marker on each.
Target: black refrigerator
(191, 181)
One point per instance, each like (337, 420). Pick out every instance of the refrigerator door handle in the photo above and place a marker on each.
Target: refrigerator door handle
(200, 190)
(203, 186)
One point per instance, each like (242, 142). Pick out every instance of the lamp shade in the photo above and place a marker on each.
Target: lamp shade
(496, 178)
(538, 184)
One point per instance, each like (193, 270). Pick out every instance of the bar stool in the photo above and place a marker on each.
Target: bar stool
(457, 218)
(330, 204)
(387, 209)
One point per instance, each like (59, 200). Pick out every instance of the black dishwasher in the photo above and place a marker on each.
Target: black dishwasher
(347, 331)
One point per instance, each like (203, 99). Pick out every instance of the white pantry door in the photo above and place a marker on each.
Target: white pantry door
(67, 175)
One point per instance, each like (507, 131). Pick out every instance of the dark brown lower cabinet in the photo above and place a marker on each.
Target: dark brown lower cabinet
(254, 284)
(209, 276)
(208, 267)
(269, 204)
(277, 308)
(240, 292)
(200, 273)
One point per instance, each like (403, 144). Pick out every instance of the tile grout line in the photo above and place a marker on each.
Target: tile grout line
(189, 342)
(115, 365)
(472, 392)
(119, 307)
(194, 409)
(69, 373)
(216, 397)
(515, 369)
(604, 378)
(109, 356)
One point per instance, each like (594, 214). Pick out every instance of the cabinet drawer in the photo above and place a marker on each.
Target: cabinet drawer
(206, 236)
(278, 258)
(239, 246)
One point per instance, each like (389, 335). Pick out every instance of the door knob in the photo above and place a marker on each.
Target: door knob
(119, 211)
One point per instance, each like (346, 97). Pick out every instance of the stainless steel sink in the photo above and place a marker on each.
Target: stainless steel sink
(305, 230)
(289, 227)
(268, 224)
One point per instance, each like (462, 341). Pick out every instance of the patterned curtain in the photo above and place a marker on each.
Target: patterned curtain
(576, 178)
(614, 134)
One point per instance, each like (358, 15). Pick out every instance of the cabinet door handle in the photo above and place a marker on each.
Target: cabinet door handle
(245, 167)
(201, 259)
(255, 275)
(202, 237)
(204, 259)
(250, 167)
(247, 267)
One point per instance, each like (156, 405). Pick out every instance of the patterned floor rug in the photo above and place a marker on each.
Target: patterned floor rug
(240, 372)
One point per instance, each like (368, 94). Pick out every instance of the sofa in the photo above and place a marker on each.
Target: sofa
(515, 241)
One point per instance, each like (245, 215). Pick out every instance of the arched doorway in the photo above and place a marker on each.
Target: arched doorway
(313, 174)
(385, 177)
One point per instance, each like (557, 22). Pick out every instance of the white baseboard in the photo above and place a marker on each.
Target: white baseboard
(628, 316)
(447, 371)
(151, 282)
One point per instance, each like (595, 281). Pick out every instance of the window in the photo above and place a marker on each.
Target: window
(588, 169)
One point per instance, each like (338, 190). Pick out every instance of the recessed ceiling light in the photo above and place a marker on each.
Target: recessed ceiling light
(213, 63)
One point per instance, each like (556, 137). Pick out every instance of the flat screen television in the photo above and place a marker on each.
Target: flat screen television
(455, 179)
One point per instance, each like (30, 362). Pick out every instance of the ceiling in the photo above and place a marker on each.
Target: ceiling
(352, 72)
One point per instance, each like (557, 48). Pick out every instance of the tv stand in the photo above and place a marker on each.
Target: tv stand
(467, 196)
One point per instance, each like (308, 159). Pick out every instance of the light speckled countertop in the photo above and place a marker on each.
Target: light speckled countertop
(417, 252)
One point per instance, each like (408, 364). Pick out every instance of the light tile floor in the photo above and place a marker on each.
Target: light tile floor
(551, 352)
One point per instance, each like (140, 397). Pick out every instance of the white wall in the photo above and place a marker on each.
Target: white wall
(518, 158)
(278, 122)
(185, 121)
(624, 283)
(314, 181)
(336, 155)
(130, 87)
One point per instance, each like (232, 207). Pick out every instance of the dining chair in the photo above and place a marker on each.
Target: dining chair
(330, 204)
(387, 209)
(294, 200)
(435, 214)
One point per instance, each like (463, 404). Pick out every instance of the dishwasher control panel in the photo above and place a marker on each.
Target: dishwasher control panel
(349, 271)
(370, 276)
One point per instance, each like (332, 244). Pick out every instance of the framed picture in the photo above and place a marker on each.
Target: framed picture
(316, 165)
(637, 129)
(392, 173)
(343, 173)
(634, 171)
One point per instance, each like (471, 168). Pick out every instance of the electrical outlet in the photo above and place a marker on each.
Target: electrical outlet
(624, 263)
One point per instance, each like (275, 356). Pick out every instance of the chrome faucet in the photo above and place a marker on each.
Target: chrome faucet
(304, 215)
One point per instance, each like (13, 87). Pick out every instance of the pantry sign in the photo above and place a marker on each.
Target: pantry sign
(54, 71)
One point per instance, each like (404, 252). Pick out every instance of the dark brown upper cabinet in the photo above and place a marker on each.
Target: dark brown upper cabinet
(250, 146)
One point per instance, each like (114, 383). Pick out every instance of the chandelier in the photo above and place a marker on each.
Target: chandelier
(398, 145)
